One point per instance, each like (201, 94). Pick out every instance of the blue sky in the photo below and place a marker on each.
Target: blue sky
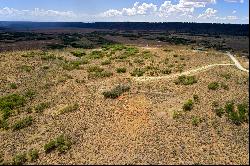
(219, 11)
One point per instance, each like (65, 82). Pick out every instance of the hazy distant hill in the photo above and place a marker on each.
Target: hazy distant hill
(195, 28)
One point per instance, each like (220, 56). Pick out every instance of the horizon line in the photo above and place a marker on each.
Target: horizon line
(91, 22)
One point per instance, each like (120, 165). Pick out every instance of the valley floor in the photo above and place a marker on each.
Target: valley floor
(151, 122)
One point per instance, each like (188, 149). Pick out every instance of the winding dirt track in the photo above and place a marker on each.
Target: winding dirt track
(236, 62)
(193, 71)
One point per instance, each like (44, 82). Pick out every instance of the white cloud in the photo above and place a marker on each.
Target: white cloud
(144, 8)
(51, 13)
(208, 13)
(235, 1)
(112, 13)
(184, 7)
(232, 17)
(10, 11)
(182, 10)
(227, 18)
(137, 9)
(196, 3)
(168, 11)
(130, 11)
(36, 13)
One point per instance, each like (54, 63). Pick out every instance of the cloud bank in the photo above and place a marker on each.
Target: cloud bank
(182, 10)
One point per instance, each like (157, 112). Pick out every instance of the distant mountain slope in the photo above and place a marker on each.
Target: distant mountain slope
(195, 28)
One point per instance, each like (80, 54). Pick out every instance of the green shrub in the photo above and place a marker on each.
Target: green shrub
(6, 113)
(213, 86)
(229, 107)
(13, 85)
(48, 56)
(71, 65)
(146, 54)
(196, 98)
(61, 143)
(113, 47)
(33, 155)
(137, 72)
(96, 55)
(226, 75)
(26, 68)
(29, 110)
(78, 53)
(42, 106)
(95, 69)
(116, 92)
(186, 80)
(69, 108)
(166, 71)
(243, 112)
(106, 62)
(219, 112)
(130, 51)
(188, 106)
(195, 121)
(239, 116)
(25, 122)
(121, 70)
(122, 56)
(104, 74)
(97, 72)
(19, 159)
(84, 61)
(139, 61)
(11, 101)
(224, 86)
(235, 118)
(4, 124)
(30, 94)
(176, 115)
(50, 146)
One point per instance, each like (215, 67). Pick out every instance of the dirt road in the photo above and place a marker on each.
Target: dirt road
(193, 71)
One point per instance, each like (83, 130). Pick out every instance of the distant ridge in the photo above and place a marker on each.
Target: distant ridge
(196, 28)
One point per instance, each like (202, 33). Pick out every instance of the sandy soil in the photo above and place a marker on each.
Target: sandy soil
(136, 128)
